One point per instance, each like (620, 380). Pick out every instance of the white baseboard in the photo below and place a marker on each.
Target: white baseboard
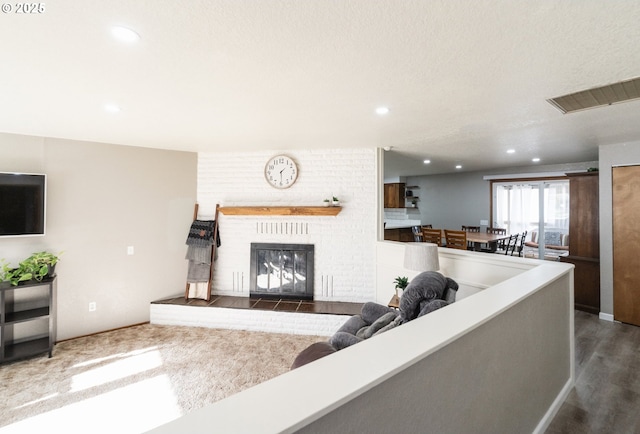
(554, 408)
(606, 316)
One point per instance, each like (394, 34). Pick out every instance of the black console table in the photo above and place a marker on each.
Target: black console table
(27, 319)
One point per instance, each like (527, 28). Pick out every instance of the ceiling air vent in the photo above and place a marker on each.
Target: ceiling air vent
(598, 96)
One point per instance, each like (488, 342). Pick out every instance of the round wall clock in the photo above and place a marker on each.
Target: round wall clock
(281, 171)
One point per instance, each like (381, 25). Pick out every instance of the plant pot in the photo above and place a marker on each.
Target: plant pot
(52, 271)
(336, 203)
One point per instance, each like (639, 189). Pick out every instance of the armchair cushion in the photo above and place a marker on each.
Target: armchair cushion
(383, 321)
(424, 288)
(353, 324)
(552, 240)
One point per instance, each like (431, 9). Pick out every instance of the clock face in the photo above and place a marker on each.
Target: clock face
(281, 171)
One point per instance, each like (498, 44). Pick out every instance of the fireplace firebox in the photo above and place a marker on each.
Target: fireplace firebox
(282, 271)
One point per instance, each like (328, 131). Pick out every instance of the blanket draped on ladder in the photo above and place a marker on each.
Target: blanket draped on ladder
(199, 244)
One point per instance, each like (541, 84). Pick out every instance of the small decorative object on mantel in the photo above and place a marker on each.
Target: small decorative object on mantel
(336, 201)
(326, 202)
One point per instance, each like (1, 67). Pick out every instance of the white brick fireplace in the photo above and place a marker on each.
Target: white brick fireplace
(344, 244)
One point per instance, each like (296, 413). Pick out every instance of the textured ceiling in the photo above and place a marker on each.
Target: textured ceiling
(464, 80)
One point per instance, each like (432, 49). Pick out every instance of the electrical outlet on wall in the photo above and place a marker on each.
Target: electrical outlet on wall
(92, 306)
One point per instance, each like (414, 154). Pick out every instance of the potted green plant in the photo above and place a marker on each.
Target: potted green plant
(326, 202)
(37, 266)
(401, 283)
(336, 201)
(44, 264)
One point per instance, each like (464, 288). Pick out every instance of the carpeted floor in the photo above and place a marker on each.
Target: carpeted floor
(134, 379)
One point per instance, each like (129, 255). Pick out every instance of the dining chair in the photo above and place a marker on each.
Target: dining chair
(456, 239)
(417, 233)
(520, 243)
(432, 236)
(471, 228)
(470, 245)
(499, 245)
(497, 231)
(510, 244)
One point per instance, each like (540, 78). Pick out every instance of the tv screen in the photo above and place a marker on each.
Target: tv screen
(22, 204)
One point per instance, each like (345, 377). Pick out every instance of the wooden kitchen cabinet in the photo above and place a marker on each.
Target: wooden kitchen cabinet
(584, 240)
(399, 234)
(394, 195)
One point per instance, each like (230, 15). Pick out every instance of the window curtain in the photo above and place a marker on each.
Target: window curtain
(517, 206)
(556, 206)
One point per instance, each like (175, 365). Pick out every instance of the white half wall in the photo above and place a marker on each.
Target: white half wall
(501, 360)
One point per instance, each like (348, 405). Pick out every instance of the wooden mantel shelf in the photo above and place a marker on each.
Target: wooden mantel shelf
(281, 210)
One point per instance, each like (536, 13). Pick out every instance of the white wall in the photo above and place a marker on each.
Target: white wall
(452, 200)
(344, 244)
(610, 155)
(101, 199)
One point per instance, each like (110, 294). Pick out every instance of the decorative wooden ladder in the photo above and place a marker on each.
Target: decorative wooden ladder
(213, 252)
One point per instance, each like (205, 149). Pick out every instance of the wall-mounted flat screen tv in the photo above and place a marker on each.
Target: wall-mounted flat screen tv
(23, 198)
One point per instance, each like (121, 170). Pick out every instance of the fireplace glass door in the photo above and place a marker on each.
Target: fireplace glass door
(282, 271)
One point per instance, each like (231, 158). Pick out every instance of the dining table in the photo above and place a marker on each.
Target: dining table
(479, 238)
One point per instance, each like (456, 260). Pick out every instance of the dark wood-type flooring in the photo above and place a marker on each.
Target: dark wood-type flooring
(606, 397)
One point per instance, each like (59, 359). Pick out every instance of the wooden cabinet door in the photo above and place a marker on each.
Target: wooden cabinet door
(626, 244)
(394, 195)
(584, 234)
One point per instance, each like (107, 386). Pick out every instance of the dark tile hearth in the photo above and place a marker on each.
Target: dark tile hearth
(282, 305)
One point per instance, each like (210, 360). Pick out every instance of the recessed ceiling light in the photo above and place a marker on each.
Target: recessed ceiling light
(458, 166)
(427, 161)
(535, 160)
(382, 110)
(112, 108)
(511, 151)
(124, 34)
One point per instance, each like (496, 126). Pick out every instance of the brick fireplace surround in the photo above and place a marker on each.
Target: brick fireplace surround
(343, 242)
